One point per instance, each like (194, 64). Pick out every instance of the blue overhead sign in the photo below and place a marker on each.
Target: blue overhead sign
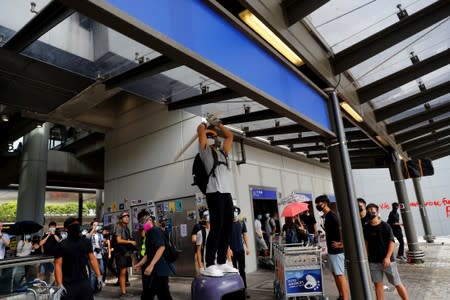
(262, 194)
(195, 26)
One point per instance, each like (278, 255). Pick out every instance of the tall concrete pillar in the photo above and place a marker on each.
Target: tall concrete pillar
(414, 254)
(428, 236)
(98, 204)
(354, 245)
(33, 175)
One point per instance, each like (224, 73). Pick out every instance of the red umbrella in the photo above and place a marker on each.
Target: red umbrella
(293, 209)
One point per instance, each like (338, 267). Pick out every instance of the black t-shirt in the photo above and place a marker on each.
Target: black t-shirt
(393, 218)
(197, 227)
(74, 254)
(124, 233)
(50, 245)
(333, 232)
(365, 220)
(378, 238)
(309, 221)
(236, 242)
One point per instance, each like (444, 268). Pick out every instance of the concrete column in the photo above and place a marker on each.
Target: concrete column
(98, 204)
(414, 254)
(33, 175)
(354, 246)
(428, 236)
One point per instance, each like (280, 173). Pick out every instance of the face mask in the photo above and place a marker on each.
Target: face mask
(319, 207)
(63, 235)
(236, 214)
(73, 231)
(259, 217)
(372, 215)
(28, 237)
(52, 229)
(361, 209)
(267, 215)
(148, 226)
(207, 218)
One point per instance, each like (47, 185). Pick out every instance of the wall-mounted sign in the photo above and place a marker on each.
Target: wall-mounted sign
(263, 194)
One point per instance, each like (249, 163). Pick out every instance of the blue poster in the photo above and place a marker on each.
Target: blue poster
(304, 282)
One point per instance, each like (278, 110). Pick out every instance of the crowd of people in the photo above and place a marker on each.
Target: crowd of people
(220, 240)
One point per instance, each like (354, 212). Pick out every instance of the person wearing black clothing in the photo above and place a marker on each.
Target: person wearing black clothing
(362, 211)
(380, 248)
(197, 227)
(156, 268)
(122, 249)
(71, 260)
(310, 223)
(49, 244)
(335, 246)
(239, 238)
(394, 221)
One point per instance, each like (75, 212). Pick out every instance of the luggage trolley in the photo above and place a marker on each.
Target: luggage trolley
(298, 272)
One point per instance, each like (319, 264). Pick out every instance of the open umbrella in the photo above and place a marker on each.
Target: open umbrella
(293, 209)
(23, 227)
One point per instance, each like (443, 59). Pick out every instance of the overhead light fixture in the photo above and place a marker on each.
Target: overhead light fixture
(382, 140)
(254, 23)
(351, 111)
(5, 118)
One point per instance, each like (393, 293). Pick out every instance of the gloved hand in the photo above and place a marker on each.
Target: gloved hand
(61, 292)
(99, 285)
(213, 120)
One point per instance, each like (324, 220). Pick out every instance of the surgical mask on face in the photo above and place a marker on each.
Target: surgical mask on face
(148, 226)
(236, 214)
(52, 229)
(63, 235)
(372, 215)
(267, 215)
(259, 217)
(207, 218)
(27, 237)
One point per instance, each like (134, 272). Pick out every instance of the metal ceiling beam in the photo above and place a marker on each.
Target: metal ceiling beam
(50, 16)
(417, 118)
(440, 151)
(149, 68)
(430, 148)
(261, 115)
(295, 128)
(210, 97)
(440, 154)
(404, 104)
(317, 155)
(308, 148)
(295, 10)
(362, 144)
(355, 135)
(353, 154)
(300, 140)
(427, 139)
(383, 85)
(413, 133)
(390, 36)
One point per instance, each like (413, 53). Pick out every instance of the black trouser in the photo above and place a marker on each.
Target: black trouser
(399, 236)
(79, 290)
(220, 208)
(238, 260)
(156, 286)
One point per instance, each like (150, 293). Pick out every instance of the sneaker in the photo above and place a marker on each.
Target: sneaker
(401, 258)
(212, 270)
(226, 268)
(126, 296)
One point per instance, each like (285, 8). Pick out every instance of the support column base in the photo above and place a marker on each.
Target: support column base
(415, 256)
(429, 238)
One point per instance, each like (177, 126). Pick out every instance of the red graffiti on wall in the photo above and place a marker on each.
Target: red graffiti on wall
(447, 211)
(441, 202)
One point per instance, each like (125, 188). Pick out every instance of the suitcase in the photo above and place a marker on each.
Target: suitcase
(228, 287)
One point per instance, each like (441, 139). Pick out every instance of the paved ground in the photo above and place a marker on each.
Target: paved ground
(427, 281)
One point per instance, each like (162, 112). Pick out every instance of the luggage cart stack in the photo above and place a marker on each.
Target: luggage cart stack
(298, 272)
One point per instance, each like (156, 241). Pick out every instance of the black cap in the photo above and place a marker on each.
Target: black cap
(69, 221)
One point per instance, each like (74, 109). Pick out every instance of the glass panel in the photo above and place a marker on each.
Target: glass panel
(14, 14)
(83, 46)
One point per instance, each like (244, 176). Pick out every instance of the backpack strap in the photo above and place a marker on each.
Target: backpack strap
(216, 161)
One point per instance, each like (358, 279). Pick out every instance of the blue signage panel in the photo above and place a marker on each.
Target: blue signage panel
(197, 27)
(332, 198)
(304, 282)
(262, 194)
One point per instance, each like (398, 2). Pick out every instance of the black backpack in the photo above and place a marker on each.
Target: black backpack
(199, 174)
(170, 252)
